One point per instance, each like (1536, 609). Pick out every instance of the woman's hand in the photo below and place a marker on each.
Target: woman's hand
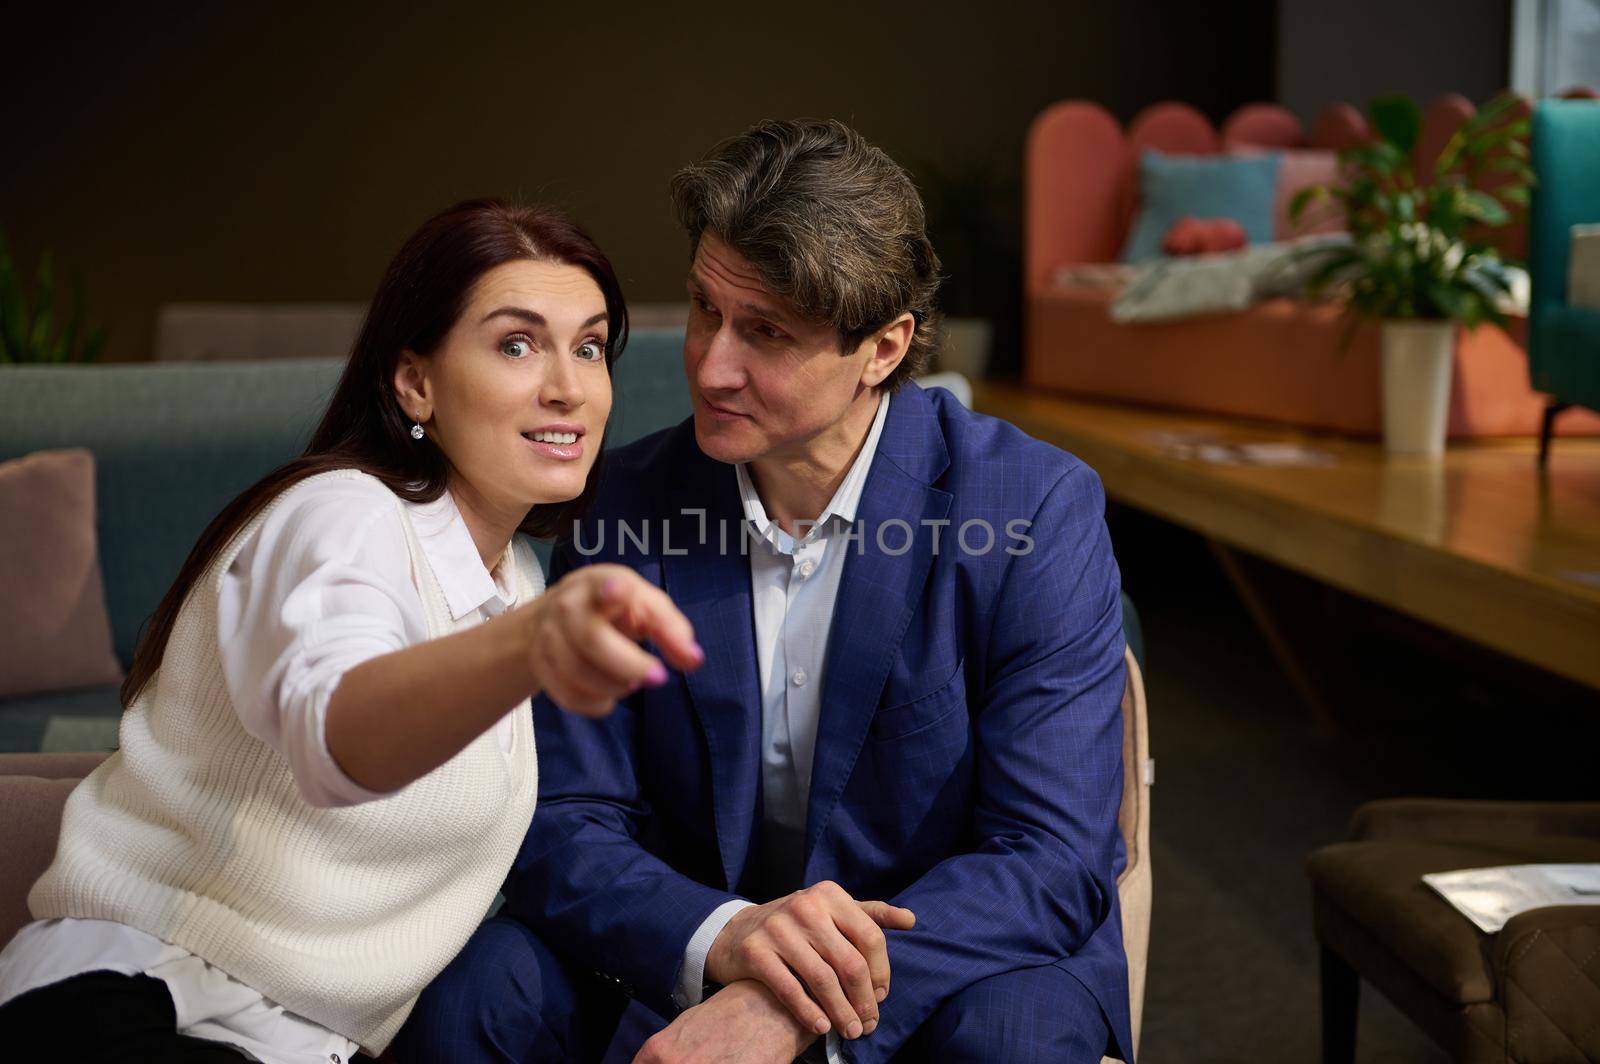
(582, 638)
(397, 717)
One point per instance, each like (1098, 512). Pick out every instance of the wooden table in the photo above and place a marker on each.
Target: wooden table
(1478, 543)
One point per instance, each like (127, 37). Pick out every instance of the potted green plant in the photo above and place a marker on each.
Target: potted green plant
(1419, 261)
(31, 327)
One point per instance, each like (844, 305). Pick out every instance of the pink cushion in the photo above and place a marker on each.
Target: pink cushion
(52, 600)
(1298, 169)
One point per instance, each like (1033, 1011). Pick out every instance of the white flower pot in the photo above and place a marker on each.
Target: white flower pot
(966, 347)
(1418, 357)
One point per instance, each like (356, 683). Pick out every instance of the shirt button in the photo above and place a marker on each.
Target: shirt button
(806, 568)
(799, 677)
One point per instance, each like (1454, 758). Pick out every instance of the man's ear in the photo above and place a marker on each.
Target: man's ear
(411, 388)
(889, 346)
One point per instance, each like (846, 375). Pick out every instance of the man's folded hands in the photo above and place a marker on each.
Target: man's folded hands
(820, 951)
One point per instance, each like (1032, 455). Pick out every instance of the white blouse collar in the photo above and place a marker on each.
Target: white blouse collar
(450, 550)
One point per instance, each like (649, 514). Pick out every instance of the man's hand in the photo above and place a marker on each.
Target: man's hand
(831, 941)
(743, 1023)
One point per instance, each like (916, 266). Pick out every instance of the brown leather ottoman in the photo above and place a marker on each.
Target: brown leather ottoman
(1528, 994)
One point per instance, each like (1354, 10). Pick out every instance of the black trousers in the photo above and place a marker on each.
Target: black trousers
(105, 1018)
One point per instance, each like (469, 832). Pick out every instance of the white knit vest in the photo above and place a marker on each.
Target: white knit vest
(194, 832)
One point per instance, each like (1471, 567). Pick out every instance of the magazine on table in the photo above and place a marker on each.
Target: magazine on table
(1491, 896)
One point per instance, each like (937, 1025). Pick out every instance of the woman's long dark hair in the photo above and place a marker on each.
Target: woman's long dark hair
(422, 294)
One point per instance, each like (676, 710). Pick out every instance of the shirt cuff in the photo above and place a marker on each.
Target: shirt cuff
(692, 976)
(323, 782)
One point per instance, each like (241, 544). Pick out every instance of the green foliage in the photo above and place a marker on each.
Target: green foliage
(1420, 249)
(34, 329)
(1397, 119)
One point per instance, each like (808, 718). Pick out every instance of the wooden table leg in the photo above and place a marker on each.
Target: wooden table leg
(1303, 675)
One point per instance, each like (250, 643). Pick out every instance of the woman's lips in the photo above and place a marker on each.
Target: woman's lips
(562, 452)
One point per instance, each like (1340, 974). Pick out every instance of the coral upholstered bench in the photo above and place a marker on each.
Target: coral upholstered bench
(1279, 361)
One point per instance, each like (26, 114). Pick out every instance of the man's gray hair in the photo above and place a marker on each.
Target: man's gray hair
(830, 222)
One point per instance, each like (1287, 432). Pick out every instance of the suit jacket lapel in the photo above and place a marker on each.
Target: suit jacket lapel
(879, 592)
(710, 583)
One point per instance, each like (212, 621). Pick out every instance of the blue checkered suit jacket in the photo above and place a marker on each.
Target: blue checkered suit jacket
(968, 761)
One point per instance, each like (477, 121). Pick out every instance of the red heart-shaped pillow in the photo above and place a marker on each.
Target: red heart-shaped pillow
(1203, 236)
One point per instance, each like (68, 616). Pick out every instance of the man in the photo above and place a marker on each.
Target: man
(881, 821)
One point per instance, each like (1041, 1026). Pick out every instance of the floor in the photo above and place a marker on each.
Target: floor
(1247, 786)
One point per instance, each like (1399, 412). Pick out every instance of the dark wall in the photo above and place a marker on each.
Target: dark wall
(242, 153)
(1353, 50)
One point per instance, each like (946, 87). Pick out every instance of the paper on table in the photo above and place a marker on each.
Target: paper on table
(1583, 267)
(1203, 447)
(1491, 896)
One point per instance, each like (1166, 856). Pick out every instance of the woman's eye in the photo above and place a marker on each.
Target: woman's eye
(515, 347)
(591, 351)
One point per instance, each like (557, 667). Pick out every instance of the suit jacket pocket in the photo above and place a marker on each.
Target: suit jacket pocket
(904, 718)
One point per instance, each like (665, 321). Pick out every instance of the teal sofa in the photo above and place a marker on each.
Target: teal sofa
(173, 442)
(1563, 340)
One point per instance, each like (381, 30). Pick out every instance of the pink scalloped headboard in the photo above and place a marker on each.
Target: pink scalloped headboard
(1440, 120)
(1078, 188)
(1175, 129)
(1081, 183)
(1263, 125)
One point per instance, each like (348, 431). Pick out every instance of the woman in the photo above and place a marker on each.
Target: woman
(327, 759)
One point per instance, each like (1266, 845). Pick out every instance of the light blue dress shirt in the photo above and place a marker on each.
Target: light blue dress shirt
(794, 584)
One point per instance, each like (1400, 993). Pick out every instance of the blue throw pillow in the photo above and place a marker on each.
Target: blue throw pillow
(1240, 187)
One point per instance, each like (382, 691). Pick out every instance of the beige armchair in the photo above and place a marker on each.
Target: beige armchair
(1135, 885)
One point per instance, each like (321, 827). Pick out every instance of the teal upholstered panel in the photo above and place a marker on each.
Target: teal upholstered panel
(1563, 342)
(173, 442)
(1568, 366)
